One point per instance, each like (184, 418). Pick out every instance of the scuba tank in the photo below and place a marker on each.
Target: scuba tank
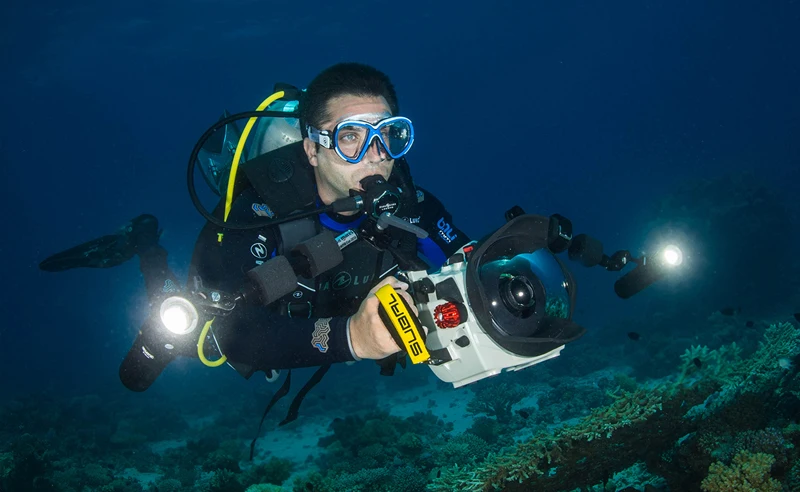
(217, 153)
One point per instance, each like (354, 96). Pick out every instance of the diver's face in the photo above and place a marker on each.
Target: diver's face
(335, 176)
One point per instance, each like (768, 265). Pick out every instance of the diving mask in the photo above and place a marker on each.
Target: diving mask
(352, 138)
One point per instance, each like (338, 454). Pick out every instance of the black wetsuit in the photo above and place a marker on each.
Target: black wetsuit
(293, 332)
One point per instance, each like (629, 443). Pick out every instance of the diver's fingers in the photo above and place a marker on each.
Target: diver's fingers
(408, 299)
(394, 282)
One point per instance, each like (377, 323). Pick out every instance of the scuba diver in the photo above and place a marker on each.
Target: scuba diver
(351, 137)
(322, 250)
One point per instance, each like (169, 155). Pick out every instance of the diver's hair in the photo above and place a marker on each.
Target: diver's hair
(343, 79)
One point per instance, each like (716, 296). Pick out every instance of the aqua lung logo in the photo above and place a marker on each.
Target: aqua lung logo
(258, 250)
(169, 286)
(446, 231)
(342, 280)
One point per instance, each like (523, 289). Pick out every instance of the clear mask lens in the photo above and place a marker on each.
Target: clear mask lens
(396, 136)
(351, 138)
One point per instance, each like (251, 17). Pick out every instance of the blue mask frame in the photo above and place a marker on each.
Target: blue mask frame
(323, 137)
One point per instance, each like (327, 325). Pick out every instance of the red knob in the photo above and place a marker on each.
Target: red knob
(447, 315)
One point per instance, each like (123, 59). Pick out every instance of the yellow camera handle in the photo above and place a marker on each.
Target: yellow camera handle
(403, 324)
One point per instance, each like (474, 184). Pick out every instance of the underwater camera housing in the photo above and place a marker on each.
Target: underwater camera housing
(503, 304)
(506, 303)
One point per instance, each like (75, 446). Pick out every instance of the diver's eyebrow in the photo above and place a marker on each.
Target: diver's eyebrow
(369, 117)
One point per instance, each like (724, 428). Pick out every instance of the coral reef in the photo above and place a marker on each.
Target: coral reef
(726, 418)
(587, 452)
(495, 399)
(749, 471)
(760, 371)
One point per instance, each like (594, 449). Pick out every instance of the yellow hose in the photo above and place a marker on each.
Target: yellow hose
(240, 147)
(200, 353)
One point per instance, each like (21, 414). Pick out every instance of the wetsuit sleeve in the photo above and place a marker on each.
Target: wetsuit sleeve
(260, 336)
(444, 238)
(265, 340)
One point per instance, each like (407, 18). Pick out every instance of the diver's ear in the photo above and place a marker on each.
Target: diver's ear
(311, 151)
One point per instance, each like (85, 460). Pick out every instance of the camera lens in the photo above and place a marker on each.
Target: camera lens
(518, 295)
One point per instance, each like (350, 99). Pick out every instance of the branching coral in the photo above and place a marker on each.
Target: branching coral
(459, 478)
(781, 341)
(793, 480)
(261, 487)
(627, 408)
(496, 400)
(462, 449)
(402, 479)
(748, 472)
(540, 457)
(6, 464)
(769, 441)
(758, 372)
(585, 452)
(275, 471)
(713, 366)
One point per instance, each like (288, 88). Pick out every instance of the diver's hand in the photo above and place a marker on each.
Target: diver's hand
(370, 337)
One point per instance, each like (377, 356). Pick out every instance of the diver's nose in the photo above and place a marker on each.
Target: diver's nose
(376, 153)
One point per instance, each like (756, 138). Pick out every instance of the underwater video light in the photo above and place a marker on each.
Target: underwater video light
(649, 271)
(671, 255)
(178, 315)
